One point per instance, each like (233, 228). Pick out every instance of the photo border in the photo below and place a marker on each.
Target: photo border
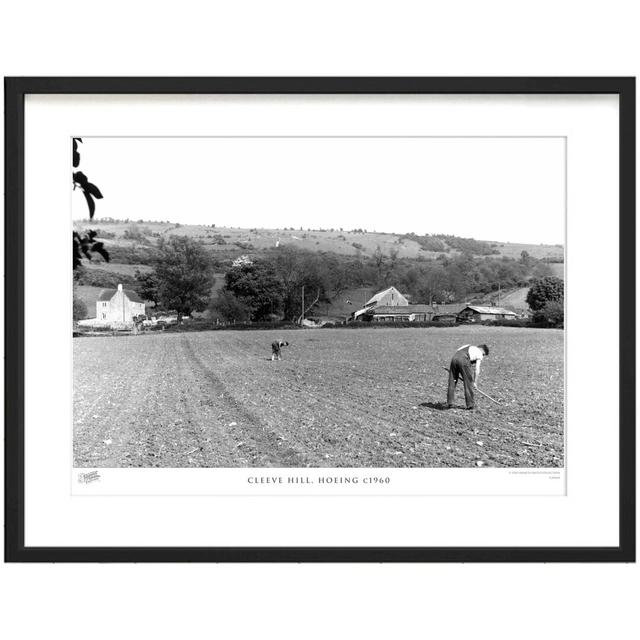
(15, 91)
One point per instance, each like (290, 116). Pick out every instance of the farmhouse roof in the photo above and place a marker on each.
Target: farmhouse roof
(403, 309)
(496, 311)
(380, 295)
(107, 294)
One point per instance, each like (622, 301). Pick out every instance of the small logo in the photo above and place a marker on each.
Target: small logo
(90, 476)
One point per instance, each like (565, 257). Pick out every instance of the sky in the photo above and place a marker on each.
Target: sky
(502, 189)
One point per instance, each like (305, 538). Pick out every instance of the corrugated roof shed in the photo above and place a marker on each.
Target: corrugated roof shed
(448, 308)
(404, 309)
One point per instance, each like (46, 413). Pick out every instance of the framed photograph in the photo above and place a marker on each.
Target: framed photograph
(320, 319)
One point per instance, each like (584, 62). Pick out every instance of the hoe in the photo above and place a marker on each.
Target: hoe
(486, 395)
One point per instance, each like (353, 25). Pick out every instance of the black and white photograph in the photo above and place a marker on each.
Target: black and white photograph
(325, 313)
(318, 301)
(321, 319)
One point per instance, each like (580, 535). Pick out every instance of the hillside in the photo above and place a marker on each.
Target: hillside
(512, 299)
(231, 240)
(132, 246)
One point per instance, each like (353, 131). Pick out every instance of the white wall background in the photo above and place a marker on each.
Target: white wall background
(328, 38)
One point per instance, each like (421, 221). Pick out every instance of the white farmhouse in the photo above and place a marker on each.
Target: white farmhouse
(118, 305)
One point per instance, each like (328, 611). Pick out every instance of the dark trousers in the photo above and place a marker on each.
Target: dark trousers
(461, 367)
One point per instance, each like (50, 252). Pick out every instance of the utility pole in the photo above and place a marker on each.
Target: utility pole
(302, 305)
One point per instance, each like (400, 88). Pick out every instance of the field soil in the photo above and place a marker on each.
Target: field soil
(339, 398)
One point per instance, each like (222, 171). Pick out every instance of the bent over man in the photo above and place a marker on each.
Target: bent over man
(275, 349)
(465, 364)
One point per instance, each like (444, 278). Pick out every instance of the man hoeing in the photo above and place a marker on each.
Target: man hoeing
(465, 364)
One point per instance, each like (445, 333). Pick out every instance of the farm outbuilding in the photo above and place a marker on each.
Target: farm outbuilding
(481, 314)
(451, 308)
(389, 297)
(445, 318)
(397, 313)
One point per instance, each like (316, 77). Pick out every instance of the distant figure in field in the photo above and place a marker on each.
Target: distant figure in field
(461, 367)
(275, 349)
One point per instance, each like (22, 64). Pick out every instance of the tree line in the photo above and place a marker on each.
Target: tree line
(269, 285)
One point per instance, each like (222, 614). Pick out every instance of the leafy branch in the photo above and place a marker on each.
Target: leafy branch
(84, 245)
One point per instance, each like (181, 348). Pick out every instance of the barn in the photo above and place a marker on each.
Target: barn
(119, 305)
(390, 305)
(482, 314)
(389, 297)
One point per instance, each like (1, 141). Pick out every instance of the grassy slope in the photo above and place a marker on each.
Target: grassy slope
(514, 299)
(336, 241)
(114, 267)
(514, 249)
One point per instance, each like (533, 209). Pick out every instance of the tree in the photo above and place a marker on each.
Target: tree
(542, 270)
(544, 290)
(433, 285)
(133, 232)
(273, 285)
(147, 286)
(525, 258)
(84, 244)
(384, 265)
(257, 286)
(339, 274)
(229, 307)
(295, 269)
(552, 313)
(183, 273)
(79, 309)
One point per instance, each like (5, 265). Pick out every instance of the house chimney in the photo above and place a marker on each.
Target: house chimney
(119, 287)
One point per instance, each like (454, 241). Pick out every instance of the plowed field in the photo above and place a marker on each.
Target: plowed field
(339, 398)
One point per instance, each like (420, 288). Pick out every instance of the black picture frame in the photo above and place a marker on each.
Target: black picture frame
(15, 91)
